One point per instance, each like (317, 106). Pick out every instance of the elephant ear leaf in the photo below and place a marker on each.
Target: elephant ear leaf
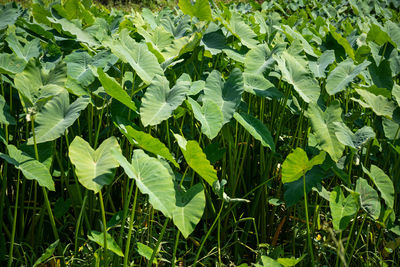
(160, 101)
(189, 208)
(94, 168)
(369, 198)
(148, 143)
(383, 183)
(30, 167)
(196, 159)
(297, 164)
(226, 94)
(135, 54)
(56, 116)
(209, 115)
(201, 9)
(342, 209)
(152, 178)
(323, 124)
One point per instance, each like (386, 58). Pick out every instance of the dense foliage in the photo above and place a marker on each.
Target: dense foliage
(248, 134)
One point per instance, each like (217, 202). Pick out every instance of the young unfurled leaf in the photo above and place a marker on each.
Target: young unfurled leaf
(297, 164)
(94, 168)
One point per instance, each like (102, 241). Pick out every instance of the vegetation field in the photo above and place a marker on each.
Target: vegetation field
(209, 134)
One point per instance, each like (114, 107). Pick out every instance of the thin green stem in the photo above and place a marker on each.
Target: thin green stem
(128, 241)
(308, 222)
(14, 226)
(153, 255)
(103, 217)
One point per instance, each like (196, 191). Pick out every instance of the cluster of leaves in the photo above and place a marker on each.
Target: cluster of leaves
(227, 115)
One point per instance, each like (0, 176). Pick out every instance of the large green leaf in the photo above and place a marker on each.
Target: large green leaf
(11, 64)
(189, 208)
(257, 85)
(256, 128)
(196, 159)
(30, 50)
(79, 62)
(5, 116)
(209, 115)
(36, 84)
(201, 9)
(323, 124)
(343, 74)
(241, 30)
(148, 143)
(56, 116)
(160, 101)
(76, 31)
(8, 15)
(94, 168)
(342, 209)
(112, 87)
(297, 164)
(353, 140)
(318, 67)
(226, 94)
(342, 41)
(295, 71)
(258, 60)
(30, 167)
(294, 35)
(294, 191)
(369, 198)
(152, 178)
(383, 183)
(136, 54)
(98, 237)
(378, 103)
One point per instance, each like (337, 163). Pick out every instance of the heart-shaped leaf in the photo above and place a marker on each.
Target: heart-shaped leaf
(226, 94)
(152, 178)
(56, 116)
(297, 164)
(209, 115)
(342, 209)
(160, 101)
(189, 209)
(94, 168)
